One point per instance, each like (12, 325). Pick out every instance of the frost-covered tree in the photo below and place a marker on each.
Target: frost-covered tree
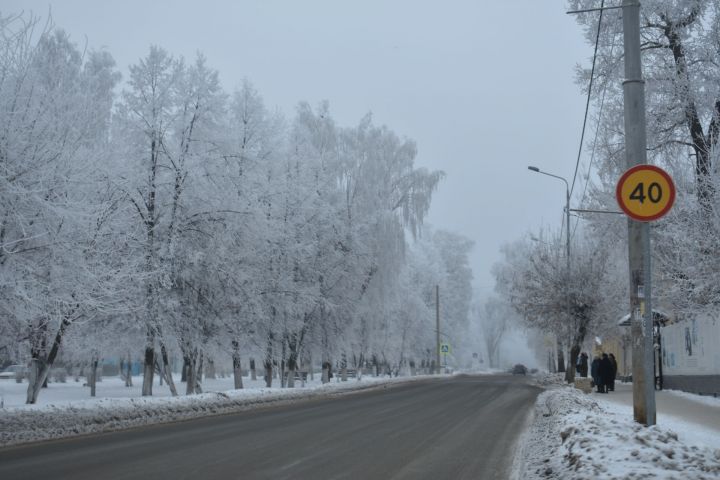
(680, 56)
(679, 53)
(144, 126)
(495, 317)
(535, 281)
(200, 225)
(54, 108)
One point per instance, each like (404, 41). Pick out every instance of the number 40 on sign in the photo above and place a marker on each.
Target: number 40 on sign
(645, 192)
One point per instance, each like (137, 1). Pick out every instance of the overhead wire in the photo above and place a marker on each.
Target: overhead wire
(594, 144)
(587, 109)
(587, 103)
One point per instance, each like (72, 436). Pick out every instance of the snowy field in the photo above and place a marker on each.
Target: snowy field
(66, 409)
(580, 436)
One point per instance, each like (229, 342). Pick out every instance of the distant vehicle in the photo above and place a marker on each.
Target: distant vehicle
(519, 369)
(13, 371)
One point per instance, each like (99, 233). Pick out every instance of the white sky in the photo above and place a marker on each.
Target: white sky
(485, 87)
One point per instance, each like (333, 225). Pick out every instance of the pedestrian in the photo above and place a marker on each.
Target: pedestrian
(605, 372)
(583, 364)
(595, 372)
(611, 385)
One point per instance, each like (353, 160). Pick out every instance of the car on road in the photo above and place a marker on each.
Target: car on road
(13, 372)
(519, 369)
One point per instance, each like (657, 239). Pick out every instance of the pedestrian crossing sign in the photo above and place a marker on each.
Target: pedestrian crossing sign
(445, 348)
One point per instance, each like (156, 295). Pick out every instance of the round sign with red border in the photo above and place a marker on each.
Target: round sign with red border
(645, 192)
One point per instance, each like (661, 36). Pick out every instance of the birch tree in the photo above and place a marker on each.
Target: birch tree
(145, 118)
(54, 107)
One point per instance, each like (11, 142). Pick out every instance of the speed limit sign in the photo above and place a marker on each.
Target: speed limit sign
(645, 192)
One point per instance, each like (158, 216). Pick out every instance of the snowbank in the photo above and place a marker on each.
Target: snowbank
(51, 421)
(575, 436)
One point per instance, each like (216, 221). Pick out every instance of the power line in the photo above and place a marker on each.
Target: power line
(597, 131)
(587, 103)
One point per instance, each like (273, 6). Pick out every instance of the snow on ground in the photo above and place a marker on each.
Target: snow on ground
(580, 436)
(572, 436)
(114, 387)
(704, 399)
(65, 409)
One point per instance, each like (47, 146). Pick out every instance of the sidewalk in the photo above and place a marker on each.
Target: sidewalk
(672, 406)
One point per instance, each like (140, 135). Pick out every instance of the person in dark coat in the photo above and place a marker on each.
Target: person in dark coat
(595, 372)
(605, 372)
(611, 385)
(583, 364)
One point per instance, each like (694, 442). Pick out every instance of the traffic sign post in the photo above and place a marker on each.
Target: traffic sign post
(645, 192)
(445, 349)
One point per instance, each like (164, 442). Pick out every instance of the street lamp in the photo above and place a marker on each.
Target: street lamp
(567, 211)
(567, 231)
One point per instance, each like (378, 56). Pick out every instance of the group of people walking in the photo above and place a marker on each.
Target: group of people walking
(603, 371)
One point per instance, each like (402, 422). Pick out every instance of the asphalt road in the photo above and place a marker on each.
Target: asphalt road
(455, 428)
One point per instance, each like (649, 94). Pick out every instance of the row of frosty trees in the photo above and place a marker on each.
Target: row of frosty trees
(681, 67)
(163, 217)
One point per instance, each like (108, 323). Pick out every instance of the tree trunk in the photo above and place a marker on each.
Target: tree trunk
(303, 376)
(325, 372)
(269, 361)
(570, 372)
(560, 357)
(190, 374)
(358, 363)
(577, 341)
(210, 369)
(253, 374)
(92, 378)
(159, 371)
(185, 367)
(128, 371)
(283, 352)
(310, 366)
(199, 373)
(291, 376)
(33, 385)
(40, 368)
(121, 370)
(149, 365)
(294, 344)
(703, 144)
(167, 371)
(237, 368)
(343, 367)
(268, 374)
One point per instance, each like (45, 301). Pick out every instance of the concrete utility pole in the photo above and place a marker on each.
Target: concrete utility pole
(437, 327)
(638, 232)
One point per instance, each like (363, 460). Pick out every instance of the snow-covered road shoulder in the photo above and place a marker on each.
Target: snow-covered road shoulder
(46, 422)
(573, 435)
